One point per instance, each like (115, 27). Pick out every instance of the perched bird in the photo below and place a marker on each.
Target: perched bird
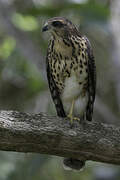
(71, 73)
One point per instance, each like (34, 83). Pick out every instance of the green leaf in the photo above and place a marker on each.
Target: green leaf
(7, 47)
(25, 22)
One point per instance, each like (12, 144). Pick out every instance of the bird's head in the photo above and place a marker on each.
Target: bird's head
(59, 26)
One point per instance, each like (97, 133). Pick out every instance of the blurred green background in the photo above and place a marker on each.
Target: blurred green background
(23, 84)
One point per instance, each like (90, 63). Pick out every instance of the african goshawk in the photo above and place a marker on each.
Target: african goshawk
(71, 73)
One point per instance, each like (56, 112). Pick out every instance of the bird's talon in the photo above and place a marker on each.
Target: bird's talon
(76, 119)
(73, 118)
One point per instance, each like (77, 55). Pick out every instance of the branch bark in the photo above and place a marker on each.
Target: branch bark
(23, 132)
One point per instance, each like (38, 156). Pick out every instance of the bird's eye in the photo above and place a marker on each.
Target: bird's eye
(57, 24)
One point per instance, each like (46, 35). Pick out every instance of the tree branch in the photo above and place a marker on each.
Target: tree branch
(51, 135)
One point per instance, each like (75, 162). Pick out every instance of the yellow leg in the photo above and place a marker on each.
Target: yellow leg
(70, 115)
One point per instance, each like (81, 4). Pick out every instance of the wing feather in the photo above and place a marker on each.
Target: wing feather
(54, 91)
(91, 81)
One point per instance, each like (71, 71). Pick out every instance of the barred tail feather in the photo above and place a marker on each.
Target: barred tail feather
(73, 164)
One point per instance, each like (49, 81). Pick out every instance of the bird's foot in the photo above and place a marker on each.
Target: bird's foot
(76, 118)
(72, 118)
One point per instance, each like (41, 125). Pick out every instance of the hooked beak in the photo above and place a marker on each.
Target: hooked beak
(45, 27)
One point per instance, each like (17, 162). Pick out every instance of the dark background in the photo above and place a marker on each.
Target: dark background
(23, 84)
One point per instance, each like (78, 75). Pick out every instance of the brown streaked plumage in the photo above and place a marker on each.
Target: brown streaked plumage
(71, 73)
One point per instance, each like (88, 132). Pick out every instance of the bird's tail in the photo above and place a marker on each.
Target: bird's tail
(73, 164)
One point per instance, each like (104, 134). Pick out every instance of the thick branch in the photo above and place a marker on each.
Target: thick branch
(52, 135)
